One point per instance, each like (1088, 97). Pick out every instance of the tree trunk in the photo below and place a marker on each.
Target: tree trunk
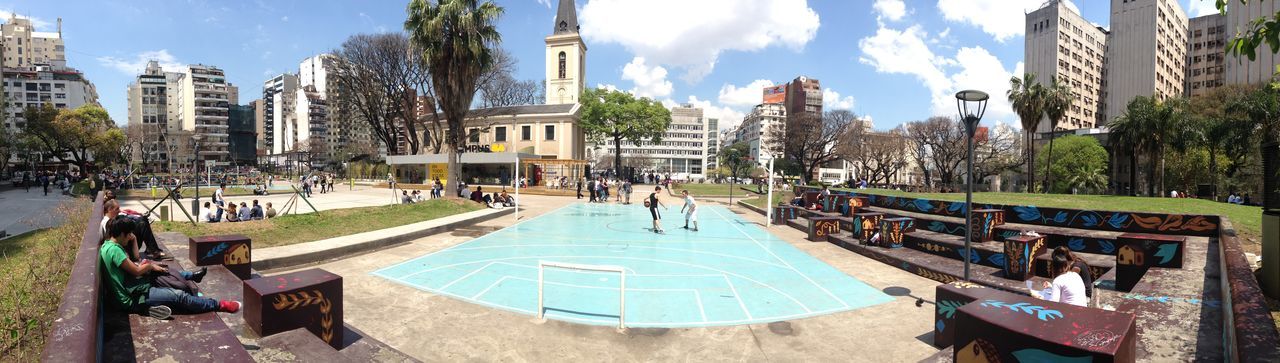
(455, 174)
(1213, 173)
(1133, 171)
(617, 154)
(1152, 160)
(1048, 166)
(1031, 162)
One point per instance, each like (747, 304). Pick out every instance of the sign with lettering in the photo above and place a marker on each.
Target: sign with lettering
(437, 170)
(495, 148)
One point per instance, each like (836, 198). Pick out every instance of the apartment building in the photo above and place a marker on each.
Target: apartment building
(1241, 70)
(713, 143)
(1061, 45)
(1146, 52)
(762, 130)
(1206, 60)
(206, 99)
(681, 153)
(278, 101)
(61, 87)
(154, 101)
(26, 47)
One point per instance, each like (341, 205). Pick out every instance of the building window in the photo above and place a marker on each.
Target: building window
(549, 132)
(561, 65)
(500, 134)
(526, 133)
(473, 135)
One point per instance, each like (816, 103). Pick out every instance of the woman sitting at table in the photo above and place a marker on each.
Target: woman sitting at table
(1067, 286)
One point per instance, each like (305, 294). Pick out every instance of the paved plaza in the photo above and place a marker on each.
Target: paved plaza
(407, 317)
(22, 211)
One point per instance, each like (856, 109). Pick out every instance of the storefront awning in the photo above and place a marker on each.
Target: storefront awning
(467, 158)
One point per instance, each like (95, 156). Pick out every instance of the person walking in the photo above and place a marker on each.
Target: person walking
(652, 203)
(44, 182)
(691, 214)
(626, 192)
(579, 183)
(217, 198)
(591, 188)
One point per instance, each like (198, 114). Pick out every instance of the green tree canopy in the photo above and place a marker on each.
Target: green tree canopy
(732, 157)
(82, 134)
(1028, 99)
(1075, 162)
(616, 116)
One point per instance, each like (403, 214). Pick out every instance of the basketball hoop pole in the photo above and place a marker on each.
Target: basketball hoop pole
(517, 186)
(768, 203)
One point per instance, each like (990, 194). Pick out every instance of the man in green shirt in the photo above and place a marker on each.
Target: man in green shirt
(127, 287)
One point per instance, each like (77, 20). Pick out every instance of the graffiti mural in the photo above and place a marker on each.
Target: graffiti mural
(1019, 256)
(1018, 328)
(233, 251)
(821, 227)
(864, 225)
(892, 231)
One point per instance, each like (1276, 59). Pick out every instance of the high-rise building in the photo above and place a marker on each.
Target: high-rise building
(763, 129)
(205, 104)
(311, 126)
(1061, 45)
(1146, 52)
(713, 143)
(804, 94)
(60, 87)
(278, 99)
(155, 112)
(566, 50)
(1205, 56)
(259, 115)
(241, 135)
(26, 47)
(1241, 70)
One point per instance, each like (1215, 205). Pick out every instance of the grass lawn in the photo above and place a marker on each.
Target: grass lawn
(34, 268)
(300, 228)
(707, 190)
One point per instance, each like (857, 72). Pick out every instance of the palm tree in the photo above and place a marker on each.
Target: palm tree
(1089, 178)
(1128, 132)
(1166, 130)
(1057, 100)
(457, 39)
(1027, 98)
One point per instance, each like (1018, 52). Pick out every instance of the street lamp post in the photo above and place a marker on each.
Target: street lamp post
(195, 172)
(971, 104)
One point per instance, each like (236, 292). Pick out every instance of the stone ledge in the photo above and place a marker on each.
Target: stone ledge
(346, 246)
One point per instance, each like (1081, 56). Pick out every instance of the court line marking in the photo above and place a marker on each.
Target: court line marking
(739, 298)
(464, 277)
(701, 311)
(631, 273)
(767, 286)
(473, 239)
(646, 247)
(697, 296)
(633, 324)
(793, 269)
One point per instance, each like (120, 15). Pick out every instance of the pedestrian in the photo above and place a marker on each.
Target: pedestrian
(626, 192)
(26, 181)
(579, 183)
(652, 203)
(691, 214)
(44, 182)
(591, 188)
(217, 198)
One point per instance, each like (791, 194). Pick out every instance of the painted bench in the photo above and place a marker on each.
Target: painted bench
(310, 299)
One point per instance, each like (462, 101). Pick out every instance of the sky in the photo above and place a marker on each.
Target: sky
(893, 61)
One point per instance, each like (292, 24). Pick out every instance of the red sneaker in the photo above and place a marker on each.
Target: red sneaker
(228, 306)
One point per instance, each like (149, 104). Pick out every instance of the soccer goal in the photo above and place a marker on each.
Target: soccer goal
(622, 284)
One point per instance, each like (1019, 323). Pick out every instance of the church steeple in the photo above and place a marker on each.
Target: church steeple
(566, 18)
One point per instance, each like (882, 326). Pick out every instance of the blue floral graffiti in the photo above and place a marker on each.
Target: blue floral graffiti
(1076, 244)
(1166, 252)
(997, 259)
(1118, 221)
(215, 251)
(947, 308)
(1040, 312)
(1107, 246)
(1027, 213)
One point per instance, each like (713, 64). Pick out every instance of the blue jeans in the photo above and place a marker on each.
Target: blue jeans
(180, 300)
(219, 217)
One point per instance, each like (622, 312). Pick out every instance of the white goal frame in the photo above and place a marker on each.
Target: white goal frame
(622, 285)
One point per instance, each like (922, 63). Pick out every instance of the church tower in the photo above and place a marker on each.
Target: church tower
(566, 57)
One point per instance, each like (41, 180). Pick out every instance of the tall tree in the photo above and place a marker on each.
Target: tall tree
(1078, 158)
(456, 39)
(380, 80)
(1027, 97)
(943, 138)
(731, 158)
(499, 87)
(1220, 131)
(811, 139)
(1057, 100)
(84, 133)
(616, 116)
(997, 153)
(1150, 127)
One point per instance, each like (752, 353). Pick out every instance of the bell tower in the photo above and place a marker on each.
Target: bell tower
(566, 57)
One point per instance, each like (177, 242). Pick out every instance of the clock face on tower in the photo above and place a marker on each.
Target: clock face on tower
(561, 92)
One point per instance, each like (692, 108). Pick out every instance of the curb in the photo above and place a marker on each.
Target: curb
(370, 244)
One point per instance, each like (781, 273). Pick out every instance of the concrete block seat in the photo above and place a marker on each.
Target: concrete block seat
(1078, 240)
(1099, 265)
(945, 245)
(183, 337)
(934, 267)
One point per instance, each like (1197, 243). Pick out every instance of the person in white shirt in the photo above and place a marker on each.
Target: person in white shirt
(690, 210)
(1067, 286)
(207, 215)
(217, 198)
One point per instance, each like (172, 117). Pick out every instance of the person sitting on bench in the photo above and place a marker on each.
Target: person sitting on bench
(1067, 286)
(256, 211)
(126, 286)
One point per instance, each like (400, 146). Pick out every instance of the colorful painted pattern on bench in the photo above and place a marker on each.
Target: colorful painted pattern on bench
(1019, 254)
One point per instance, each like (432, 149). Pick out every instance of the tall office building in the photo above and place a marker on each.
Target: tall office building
(1205, 56)
(155, 111)
(26, 47)
(278, 99)
(804, 94)
(1241, 70)
(1146, 52)
(713, 143)
(682, 151)
(205, 108)
(1062, 45)
(259, 117)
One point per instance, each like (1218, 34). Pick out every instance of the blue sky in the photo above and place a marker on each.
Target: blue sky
(892, 60)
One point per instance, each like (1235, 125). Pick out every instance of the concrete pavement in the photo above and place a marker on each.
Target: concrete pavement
(22, 211)
(342, 197)
(437, 328)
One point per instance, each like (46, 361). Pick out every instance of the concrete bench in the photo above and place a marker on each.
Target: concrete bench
(784, 213)
(187, 337)
(1138, 252)
(865, 225)
(1016, 328)
(947, 299)
(310, 299)
(821, 227)
(233, 251)
(893, 230)
(985, 222)
(1019, 256)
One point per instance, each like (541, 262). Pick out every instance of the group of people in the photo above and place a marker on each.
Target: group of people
(494, 200)
(598, 190)
(134, 282)
(219, 210)
(60, 180)
(689, 209)
(323, 181)
(1238, 199)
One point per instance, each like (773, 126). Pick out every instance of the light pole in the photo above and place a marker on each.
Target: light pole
(195, 172)
(971, 104)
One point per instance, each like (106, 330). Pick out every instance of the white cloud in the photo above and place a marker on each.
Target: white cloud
(728, 117)
(905, 52)
(890, 9)
(750, 95)
(649, 81)
(136, 65)
(546, 3)
(831, 100)
(38, 23)
(1202, 8)
(1003, 19)
(691, 35)
(607, 86)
